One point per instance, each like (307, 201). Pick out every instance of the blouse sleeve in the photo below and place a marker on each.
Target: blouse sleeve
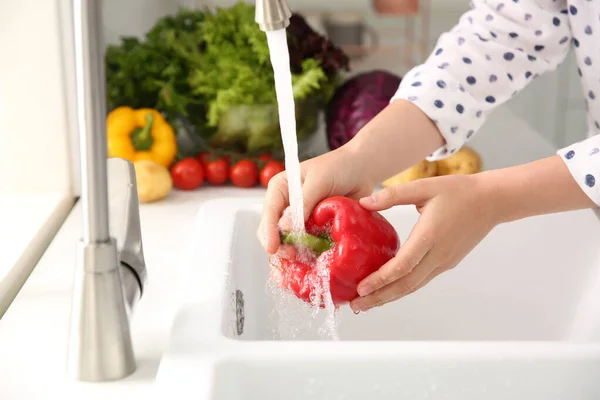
(494, 51)
(583, 161)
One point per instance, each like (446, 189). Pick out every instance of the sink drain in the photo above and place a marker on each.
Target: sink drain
(239, 311)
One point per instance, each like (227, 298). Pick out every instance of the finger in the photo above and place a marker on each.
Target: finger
(429, 278)
(276, 200)
(408, 257)
(285, 222)
(407, 193)
(286, 251)
(313, 191)
(393, 291)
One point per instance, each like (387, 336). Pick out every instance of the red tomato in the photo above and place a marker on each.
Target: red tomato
(228, 157)
(187, 174)
(204, 157)
(216, 171)
(270, 170)
(244, 173)
(265, 157)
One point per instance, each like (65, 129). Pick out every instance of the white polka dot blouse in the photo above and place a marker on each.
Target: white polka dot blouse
(494, 51)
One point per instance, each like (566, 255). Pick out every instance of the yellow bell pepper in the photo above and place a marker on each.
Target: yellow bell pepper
(141, 134)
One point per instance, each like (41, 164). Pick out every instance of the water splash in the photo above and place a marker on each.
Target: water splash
(280, 60)
(292, 318)
(322, 286)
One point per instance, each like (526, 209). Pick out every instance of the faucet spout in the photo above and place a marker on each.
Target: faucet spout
(272, 15)
(110, 273)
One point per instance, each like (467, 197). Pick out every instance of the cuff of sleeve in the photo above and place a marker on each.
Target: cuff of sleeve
(584, 168)
(446, 102)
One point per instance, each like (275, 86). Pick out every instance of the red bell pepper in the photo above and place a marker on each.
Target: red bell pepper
(348, 240)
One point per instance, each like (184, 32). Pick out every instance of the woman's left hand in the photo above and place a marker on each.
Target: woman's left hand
(457, 212)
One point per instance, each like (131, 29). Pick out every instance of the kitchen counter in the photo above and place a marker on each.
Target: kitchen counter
(23, 242)
(34, 330)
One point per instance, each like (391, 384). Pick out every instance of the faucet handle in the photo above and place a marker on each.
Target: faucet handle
(124, 223)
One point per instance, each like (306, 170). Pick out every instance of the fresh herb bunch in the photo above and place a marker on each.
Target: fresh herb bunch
(200, 63)
(154, 72)
(236, 67)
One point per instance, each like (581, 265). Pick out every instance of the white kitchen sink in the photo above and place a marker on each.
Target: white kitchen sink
(518, 319)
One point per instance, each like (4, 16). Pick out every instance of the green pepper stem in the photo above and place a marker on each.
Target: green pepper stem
(142, 137)
(145, 132)
(317, 244)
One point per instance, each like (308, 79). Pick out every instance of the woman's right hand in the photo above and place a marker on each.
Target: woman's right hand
(398, 137)
(337, 173)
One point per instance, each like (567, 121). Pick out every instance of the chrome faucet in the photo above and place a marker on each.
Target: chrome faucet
(272, 15)
(110, 272)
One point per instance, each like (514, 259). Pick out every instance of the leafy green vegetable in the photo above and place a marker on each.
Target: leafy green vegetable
(200, 64)
(311, 79)
(154, 72)
(236, 67)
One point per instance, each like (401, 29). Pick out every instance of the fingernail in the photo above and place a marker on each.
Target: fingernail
(369, 199)
(287, 252)
(359, 307)
(264, 240)
(364, 290)
(285, 223)
(268, 248)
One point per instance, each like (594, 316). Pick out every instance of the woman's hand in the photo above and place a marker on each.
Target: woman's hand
(457, 212)
(398, 137)
(337, 173)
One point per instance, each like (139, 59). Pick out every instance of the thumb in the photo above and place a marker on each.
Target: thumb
(415, 192)
(313, 191)
(409, 256)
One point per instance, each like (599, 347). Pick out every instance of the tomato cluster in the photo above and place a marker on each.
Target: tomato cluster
(219, 169)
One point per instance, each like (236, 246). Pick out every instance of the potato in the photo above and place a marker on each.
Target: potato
(153, 181)
(464, 162)
(422, 169)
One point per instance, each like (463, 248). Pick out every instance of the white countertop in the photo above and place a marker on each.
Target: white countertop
(33, 332)
(23, 242)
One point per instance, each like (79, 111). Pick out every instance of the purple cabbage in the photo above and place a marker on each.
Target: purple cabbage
(356, 102)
